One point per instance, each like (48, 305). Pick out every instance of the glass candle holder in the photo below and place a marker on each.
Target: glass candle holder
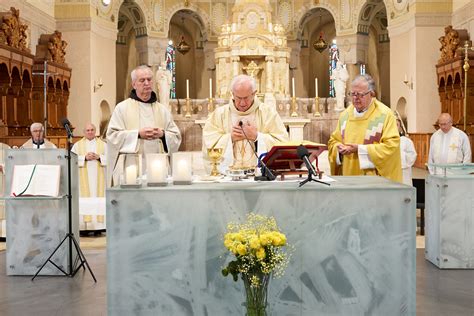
(182, 168)
(132, 170)
(156, 169)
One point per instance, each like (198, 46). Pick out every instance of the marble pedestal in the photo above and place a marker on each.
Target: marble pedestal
(449, 218)
(354, 248)
(36, 225)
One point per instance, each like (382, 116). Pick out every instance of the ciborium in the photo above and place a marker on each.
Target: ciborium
(215, 155)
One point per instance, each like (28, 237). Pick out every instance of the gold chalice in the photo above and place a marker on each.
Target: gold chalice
(215, 154)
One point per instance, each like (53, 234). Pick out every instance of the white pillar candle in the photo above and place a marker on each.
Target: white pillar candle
(187, 88)
(293, 86)
(182, 172)
(316, 87)
(210, 88)
(131, 174)
(157, 174)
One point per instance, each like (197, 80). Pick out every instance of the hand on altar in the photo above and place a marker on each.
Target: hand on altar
(347, 149)
(151, 133)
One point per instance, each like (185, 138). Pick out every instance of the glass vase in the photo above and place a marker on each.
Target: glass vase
(256, 287)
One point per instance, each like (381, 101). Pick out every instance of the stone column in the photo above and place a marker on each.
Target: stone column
(269, 74)
(235, 65)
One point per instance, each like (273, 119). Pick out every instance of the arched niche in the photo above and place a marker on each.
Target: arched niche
(131, 45)
(316, 22)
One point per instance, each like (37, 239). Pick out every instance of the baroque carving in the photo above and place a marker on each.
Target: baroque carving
(12, 32)
(57, 48)
(449, 44)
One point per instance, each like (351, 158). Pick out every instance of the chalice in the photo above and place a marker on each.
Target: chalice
(215, 154)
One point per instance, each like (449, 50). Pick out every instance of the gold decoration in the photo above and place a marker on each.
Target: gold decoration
(316, 107)
(183, 47)
(188, 108)
(449, 44)
(57, 48)
(215, 154)
(12, 32)
(294, 107)
(87, 218)
(100, 218)
(320, 45)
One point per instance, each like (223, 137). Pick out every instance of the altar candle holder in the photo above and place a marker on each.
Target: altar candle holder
(294, 107)
(132, 171)
(156, 169)
(182, 168)
(188, 108)
(210, 106)
(316, 107)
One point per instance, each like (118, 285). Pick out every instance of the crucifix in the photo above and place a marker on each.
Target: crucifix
(45, 74)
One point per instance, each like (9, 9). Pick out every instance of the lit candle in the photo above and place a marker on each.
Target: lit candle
(131, 174)
(293, 86)
(187, 88)
(182, 172)
(156, 173)
(316, 87)
(210, 88)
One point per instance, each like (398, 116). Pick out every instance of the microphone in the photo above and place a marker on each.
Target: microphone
(267, 174)
(67, 125)
(303, 154)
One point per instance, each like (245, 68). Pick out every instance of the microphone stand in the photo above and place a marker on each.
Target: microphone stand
(267, 174)
(311, 171)
(70, 235)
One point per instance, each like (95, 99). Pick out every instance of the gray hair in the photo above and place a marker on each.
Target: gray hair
(240, 79)
(134, 71)
(35, 126)
(367, 79)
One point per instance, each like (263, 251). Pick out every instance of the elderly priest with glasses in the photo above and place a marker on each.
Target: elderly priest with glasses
(366, 140)
(243, 126)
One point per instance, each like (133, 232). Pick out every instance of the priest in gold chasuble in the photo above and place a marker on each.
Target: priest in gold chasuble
(243, 126)
(139, 124)
(366, 140)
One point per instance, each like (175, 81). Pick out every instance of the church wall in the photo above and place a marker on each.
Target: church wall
(463, 16)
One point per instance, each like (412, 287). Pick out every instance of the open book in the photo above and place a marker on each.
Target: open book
(35, 180)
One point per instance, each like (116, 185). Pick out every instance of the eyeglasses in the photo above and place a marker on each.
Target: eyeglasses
(358, 94)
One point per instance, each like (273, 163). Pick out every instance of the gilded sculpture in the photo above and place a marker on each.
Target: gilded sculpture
(449, 44)
(12, 32)
(57, 48)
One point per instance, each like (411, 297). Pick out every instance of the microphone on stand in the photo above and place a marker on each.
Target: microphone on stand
(67, 125)
(267, 174)
(303, 154)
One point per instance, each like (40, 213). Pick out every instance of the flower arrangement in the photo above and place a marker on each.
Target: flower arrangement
(258, 247)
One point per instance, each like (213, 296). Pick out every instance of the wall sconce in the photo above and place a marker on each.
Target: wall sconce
(409, 84)
(98, 85)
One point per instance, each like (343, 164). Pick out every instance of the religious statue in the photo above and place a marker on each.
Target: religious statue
(340, 76)
(449, 44)
(163, 80)
(12, 32)
(57, 47)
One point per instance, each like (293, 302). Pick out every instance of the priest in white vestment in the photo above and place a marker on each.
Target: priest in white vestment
(408, 155)
(91, 154)
(448, 145)
(140, 124)
(243, 126)
(37, 139)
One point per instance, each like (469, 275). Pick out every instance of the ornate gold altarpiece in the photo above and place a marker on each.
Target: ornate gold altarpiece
(251, 44)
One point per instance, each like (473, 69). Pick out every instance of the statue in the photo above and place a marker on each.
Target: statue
(340, 76)
(163, 80)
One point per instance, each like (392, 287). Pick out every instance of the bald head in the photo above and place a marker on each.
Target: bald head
(445, 122)
(89, 131)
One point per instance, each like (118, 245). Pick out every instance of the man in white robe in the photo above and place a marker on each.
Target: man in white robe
(91, 157)
(408, 155)
(448, 145)
(37, 139)
(140, 124)
(243, 126)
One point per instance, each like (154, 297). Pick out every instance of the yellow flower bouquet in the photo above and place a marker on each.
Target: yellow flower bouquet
(258, 247)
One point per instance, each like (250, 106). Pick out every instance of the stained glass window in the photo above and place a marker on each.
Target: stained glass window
(333, 58)
(171, 65)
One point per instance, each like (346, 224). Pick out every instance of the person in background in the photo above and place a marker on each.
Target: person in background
(448, 145)
(408, 154)
(37, 139)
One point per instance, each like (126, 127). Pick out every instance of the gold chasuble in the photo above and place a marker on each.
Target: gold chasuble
(84, 173)
(240, 154)
(377, 129)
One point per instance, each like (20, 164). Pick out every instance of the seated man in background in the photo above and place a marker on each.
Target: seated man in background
(92, 162)
(366, 140)
(448, 145)
(243, 126)
(37, 139)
